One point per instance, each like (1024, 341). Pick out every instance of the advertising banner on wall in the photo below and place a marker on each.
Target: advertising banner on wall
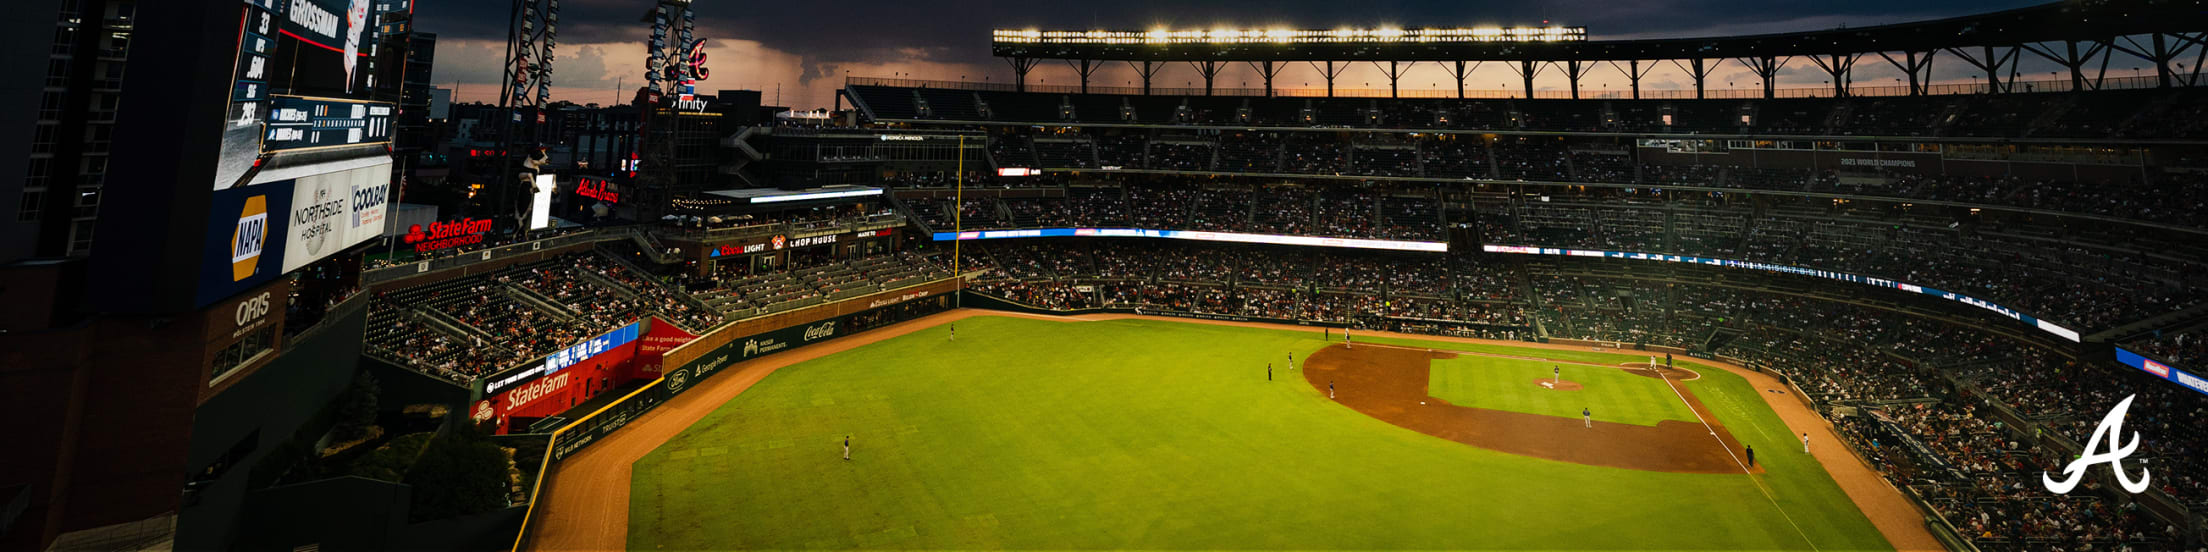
(333, 211)
(244, 245)
(662, 338)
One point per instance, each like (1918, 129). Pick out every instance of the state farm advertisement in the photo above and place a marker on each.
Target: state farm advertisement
(663, 337)
(441, 235)
(560, 391)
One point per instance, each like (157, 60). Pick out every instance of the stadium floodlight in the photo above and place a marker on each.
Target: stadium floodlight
(1223, 35)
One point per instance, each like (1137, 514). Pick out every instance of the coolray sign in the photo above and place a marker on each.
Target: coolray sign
(2043, 325)
(333, 211)
(447, 235)
(1231, 237)
(2112, 430)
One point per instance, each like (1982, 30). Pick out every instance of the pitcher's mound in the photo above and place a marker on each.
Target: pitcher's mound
(1554, 385)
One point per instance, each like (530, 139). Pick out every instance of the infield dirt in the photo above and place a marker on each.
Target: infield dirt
(1389, 383)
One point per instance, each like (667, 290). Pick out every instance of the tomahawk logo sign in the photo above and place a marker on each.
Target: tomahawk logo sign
(2111, 429)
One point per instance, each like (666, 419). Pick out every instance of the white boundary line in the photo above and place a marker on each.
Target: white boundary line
(1736, 461)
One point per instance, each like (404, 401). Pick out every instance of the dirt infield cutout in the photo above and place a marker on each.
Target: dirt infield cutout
(1389, 383)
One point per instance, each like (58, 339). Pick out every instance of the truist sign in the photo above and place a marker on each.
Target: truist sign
(447, 235)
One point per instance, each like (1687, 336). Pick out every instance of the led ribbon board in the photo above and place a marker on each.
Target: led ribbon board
(2043, 325)
(1231, 237)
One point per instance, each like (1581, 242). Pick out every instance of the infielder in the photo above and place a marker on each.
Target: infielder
(1556, 374)
(847, 448)
(1346, 343)
(1588, 415)
(1329, 389)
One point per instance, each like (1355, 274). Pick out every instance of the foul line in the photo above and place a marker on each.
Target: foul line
(1736, 461)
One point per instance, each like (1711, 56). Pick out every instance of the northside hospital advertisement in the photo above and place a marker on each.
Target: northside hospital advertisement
(302, 81)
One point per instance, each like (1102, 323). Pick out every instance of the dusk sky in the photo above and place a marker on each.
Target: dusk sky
(807, 48)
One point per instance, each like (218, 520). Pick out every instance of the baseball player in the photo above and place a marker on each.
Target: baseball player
(847, 448)
(1588, 415)
(1268, 371)
(1329, 389)
(1556, 374)
(954, 332)
(1751, 455)
(1805, 443)
(1667, 359)
(1346, 342)
(1291, 361)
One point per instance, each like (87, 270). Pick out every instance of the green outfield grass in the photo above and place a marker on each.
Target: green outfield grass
(1610, 394)
(1035, 434)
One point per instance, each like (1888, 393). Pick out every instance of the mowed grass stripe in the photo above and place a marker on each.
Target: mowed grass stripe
(1035, 434)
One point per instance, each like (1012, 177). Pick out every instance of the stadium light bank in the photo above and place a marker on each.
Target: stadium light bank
(1382, 35)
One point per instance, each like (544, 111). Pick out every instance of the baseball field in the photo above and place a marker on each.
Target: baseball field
(1027, 433)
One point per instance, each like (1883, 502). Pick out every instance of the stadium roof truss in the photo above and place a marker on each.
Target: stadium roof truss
(2080, 35)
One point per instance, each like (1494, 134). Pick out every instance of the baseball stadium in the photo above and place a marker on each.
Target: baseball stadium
(1496, 276)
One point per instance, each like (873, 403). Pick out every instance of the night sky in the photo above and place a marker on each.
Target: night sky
(806, 48)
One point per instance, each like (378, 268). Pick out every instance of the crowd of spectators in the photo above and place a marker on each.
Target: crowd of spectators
(463, 328)
(2082, 282)
(2147, 113)
(2176, 194)
(1379, 212)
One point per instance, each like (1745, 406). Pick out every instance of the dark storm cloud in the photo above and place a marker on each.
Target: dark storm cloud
(828, 34)
(850, 31)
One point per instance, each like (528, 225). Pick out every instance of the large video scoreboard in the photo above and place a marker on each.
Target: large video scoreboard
(307, 76)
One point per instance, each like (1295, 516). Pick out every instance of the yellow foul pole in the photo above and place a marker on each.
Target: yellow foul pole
(958, 221)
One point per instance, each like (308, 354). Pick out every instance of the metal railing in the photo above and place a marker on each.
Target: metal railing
(1599, 93)
(459, 260)
(855, 224)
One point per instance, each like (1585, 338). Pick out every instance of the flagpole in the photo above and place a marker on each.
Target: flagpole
(958, 221)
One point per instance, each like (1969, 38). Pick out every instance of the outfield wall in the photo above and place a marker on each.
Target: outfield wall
(686, 367)
(978, 300)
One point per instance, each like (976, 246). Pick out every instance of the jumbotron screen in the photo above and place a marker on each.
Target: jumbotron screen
(305, 78)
